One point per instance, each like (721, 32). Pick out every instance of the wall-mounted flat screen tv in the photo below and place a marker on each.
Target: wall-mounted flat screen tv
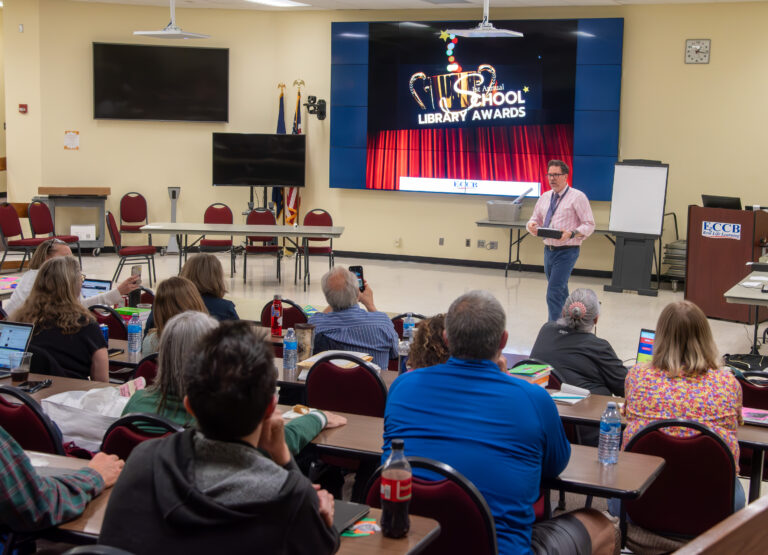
(167, 83)
(259, 159)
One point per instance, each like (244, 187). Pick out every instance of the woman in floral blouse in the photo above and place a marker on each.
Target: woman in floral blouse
(686, 381)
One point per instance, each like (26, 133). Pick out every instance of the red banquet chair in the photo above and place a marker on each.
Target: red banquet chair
(466, 521)
(754, 388)
(217, 213)
(147, 369)
(141, 254)
(10, 226)
(41, 223)
(267, 244)
(315, 217)
(357, 390)
(133, 213)
(109, 316)
(24, 419)
(694, 490)
(127, 432)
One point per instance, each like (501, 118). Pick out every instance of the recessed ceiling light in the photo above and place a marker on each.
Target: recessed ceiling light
(280, 3)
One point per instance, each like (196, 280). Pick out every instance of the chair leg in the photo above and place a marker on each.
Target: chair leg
(119, 269)
(154, 270)
(5, 253)
(79, 254)
(279, 262)
(245, 264)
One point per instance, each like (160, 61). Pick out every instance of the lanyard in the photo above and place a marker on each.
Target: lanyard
(557, 199)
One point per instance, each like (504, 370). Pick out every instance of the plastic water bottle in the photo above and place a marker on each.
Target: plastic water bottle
(610, 435)
(396, 478)
(290, 351)
(403, 351)
(408, 325)
(134, 335)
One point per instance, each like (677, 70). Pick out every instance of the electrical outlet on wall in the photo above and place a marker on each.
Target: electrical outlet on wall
(481, 243)
(493, 245)
(468, 243)
(441, 241)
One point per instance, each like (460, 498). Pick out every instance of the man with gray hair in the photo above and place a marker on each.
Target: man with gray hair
(344, 325)
(503, 433)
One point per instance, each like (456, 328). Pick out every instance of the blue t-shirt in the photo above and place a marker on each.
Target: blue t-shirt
(501, 432)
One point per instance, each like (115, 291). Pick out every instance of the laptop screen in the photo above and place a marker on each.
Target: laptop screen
(93, 287)
(645, 346)
(14, 337)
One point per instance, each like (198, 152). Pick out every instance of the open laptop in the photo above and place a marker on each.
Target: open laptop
(346, 513)
(714, 201)
(14, 337)
(92, 287)
(645, 346)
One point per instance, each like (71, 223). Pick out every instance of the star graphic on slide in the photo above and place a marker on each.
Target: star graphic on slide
(526, 89)
(444, 35)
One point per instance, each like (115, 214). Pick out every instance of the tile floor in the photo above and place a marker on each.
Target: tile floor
(430, 288)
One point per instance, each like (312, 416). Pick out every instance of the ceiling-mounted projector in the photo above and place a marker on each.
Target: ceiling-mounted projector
(484, 29)
(171, 31)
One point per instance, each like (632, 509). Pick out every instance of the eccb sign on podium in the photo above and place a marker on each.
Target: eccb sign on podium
(720, 230)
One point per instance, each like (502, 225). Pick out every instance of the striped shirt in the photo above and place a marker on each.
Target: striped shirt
(573, 214)
(32, 502)
(359, 330)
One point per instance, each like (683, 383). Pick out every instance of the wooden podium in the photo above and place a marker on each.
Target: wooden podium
(720, 243)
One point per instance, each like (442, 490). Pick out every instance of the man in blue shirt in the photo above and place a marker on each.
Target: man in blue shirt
(346, 326)
(501, 432)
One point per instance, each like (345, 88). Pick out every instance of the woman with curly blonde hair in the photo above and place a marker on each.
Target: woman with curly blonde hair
(63, 326)
(428, 347)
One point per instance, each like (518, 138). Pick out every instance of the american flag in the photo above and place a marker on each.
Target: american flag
(292, 198)
(277, 192)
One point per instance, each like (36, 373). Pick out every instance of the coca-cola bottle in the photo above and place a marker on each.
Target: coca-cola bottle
(396, 479)
(277, 317)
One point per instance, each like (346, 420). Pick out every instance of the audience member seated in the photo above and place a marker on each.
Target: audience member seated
(579, 356)
(30, 502)
(232, 486)
(344, 325)
(64, 328)
(428, 347)
(205, 271)
(52, 248)
(501, 432)
(164, 397)
(685, 380)
(173, 296)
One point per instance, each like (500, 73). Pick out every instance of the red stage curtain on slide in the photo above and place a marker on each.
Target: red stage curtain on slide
(516, 153)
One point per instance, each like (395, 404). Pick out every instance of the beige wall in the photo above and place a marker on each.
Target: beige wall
(706, 121)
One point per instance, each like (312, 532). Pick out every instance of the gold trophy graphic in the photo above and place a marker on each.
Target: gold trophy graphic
(451, 91)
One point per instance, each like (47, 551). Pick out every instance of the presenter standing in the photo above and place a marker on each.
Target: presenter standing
(566, 209)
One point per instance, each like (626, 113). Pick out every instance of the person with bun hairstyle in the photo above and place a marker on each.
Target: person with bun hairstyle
(685, 380)
(579, 356)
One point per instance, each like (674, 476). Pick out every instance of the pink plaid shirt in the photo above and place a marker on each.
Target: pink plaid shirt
(572, 214)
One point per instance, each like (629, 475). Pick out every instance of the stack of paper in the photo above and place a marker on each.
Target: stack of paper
(569, 394)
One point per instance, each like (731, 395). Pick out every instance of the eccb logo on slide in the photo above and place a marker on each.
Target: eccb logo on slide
(720, 230)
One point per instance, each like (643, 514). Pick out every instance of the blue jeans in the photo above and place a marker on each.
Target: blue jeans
(558, 265)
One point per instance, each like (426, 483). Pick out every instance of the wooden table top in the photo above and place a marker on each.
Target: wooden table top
(362, 437)
(423, 530)
(124, 359)
(74, 191)
(59, 385)
(591, 409)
